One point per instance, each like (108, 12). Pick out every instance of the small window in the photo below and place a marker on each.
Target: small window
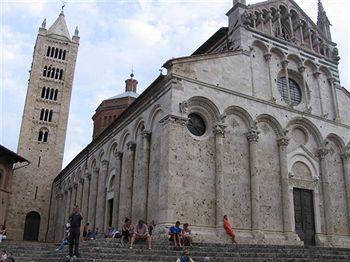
(294, 91)
(55, 97)
(46, 135)
(43, 92)
(196, 124)
(42, 114)
(40, 137)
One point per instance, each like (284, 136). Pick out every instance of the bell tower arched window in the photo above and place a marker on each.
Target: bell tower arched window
(43, 135)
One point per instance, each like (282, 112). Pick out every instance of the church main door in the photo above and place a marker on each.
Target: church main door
(31, 227)
(304, 215)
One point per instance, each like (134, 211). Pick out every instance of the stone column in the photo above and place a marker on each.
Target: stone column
(301, 34)
(74, 196)
(59, 218)
(130, 178)
(346, 164)
(301, 70)
(316, 75)
(334, 98)
(278, 13)
(80, 193)
(69, 201)
(92, 198)
(85, 198)
(267, 57)
(322, 152)
(291, 28)
(287, 196)
(219, 132)
(285, 67)
(101, 197)
(253, 137)
(116, 192)
(146, 136)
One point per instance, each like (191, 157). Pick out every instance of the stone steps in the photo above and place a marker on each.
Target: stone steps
(111, 250)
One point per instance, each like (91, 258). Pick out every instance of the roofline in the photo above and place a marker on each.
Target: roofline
(14, 155)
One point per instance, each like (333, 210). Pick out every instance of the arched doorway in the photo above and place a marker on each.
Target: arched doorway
(31, 227)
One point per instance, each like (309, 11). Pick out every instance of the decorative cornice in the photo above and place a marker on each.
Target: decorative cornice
(173, 119)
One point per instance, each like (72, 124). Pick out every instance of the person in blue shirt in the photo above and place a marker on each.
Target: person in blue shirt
(175, 234)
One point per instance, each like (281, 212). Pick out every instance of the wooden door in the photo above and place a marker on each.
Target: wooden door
(304, 215)
(32, 226)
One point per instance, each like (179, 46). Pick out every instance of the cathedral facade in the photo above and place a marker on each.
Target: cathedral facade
(254, 124)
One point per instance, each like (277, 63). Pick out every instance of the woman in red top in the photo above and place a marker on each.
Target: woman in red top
(229, 229)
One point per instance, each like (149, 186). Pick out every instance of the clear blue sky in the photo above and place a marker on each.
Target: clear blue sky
(114, 36)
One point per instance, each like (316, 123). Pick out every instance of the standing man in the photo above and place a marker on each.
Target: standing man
(75, 223)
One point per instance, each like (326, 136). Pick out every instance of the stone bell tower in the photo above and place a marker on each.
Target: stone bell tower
(43, 130)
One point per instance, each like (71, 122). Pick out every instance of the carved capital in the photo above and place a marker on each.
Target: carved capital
(75, 185)
(131, 146)
(95, 169)
(267, 56)
(317, 74)
(88, 176)
(284, 63)
(301, 69)
(322, 152)
(59, 196)
(183, 107)
(283, 141)
(105, 164)
(345, 156)
(219, 129)
(146, 134)
(253, 135)
(81, 180)
(331, 80)
(118, 155)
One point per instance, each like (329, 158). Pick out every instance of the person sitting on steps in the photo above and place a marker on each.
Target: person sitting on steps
(141, 232)
(175, 234)
(186, 235)
(126, 231)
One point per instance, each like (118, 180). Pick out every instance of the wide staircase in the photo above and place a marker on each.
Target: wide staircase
(110, 250)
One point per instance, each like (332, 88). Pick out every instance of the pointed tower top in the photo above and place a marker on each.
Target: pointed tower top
(323, 21)
(321, 12)
(59, 27)
(43, 25)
